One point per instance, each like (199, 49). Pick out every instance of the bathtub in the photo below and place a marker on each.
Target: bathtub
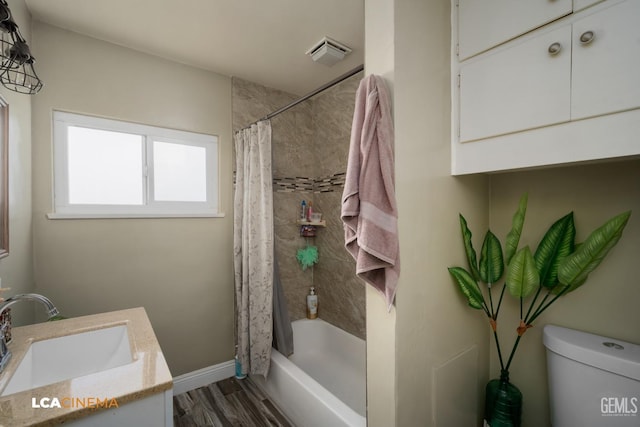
(324, 382)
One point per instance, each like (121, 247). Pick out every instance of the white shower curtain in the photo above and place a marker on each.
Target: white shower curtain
(253, 247)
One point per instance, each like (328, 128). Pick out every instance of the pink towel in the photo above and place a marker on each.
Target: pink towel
(369, 210)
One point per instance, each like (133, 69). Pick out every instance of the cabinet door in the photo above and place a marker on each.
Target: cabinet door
(578, 5)
(483, 24)
(516, 88)
(606, 70)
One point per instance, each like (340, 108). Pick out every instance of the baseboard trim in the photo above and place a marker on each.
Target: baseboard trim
(201, 377)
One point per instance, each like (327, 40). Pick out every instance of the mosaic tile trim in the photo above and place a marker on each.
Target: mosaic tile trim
(299, 184)
(293, 184)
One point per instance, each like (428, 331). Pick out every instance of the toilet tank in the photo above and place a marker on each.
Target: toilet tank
(594, 381)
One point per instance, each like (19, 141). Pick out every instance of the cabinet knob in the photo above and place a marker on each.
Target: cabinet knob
(587, 37)
(554, 48)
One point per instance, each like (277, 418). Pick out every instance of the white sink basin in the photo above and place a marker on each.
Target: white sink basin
(58, 359)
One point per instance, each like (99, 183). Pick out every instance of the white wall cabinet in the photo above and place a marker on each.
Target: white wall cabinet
(520, 87)
(582, 4)
(546, 97)
(487, 23)
(606, 64)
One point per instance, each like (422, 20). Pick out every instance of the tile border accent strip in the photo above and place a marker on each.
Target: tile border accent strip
(300, 184)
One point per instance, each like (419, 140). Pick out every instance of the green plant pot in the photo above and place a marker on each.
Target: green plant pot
(503, 403)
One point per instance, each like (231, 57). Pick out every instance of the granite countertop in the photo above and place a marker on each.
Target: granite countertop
(148, 374)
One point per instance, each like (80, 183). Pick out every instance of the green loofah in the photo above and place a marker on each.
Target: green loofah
(307, 256)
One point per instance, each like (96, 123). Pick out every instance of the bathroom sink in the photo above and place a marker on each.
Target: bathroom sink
(71, 356)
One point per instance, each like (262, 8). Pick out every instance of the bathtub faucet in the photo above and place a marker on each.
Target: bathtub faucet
(51, 309)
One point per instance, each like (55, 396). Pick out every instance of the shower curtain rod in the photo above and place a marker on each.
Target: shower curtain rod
(315, 92)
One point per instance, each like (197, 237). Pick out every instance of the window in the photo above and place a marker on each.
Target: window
(109, 168)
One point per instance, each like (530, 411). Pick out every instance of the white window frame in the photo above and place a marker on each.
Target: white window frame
(150, 208)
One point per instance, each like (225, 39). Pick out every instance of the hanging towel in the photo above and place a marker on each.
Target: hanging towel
(369, 210)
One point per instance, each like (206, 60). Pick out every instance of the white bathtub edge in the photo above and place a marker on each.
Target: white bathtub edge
(303, 400)
(344, 412)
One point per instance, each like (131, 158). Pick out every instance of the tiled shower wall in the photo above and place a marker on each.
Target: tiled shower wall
(310, 143)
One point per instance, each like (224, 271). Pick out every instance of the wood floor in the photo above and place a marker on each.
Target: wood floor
(227, 403)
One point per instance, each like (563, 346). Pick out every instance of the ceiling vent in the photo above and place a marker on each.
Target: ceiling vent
(328, 51)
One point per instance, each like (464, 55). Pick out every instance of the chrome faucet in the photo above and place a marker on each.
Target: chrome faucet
(52, 311)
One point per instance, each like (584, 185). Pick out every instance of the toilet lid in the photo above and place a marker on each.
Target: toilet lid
(609, 354)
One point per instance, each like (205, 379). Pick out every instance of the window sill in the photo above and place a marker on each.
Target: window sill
(132, 216)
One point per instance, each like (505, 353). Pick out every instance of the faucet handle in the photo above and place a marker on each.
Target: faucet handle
(5, 354)
(3, 335)
(5, 326)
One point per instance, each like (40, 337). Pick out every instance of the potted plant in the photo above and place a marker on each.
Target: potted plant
(557, 267)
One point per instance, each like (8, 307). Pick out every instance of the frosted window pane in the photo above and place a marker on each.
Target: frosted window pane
(180, 172)
(104, 167)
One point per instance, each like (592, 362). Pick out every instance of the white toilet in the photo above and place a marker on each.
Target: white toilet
(594, 381)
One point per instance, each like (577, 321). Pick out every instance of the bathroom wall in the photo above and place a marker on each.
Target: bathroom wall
(310, 143)
(342, 292)
(382, 387)
(16, 269)
(179, 269)
(427, 360)
(414, 351)
(607, 304)
(441, 344)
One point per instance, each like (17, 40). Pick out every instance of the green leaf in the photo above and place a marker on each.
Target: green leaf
(557, 243)
(513, 237)
(522, 275)
(468, 248)
(491, 261)
(468, 286)
(575, 268)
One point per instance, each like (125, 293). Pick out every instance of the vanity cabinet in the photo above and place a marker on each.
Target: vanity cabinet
(565, 92)
(151, 411)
